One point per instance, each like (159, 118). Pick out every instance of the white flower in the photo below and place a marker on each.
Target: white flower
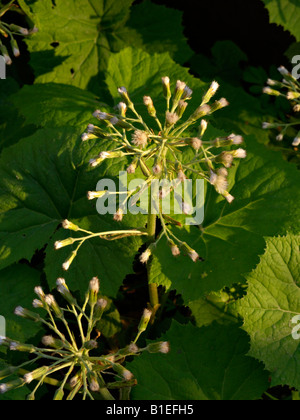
(100, 115)
(140, 139)
(267, 90)
(194, 255)
(171, 118)
(266, 125)
(175, 250)
(279, 137)
(144, 258)
(37, 303)
(39, 291)
(127, 375)
(240, 154)
(236, 140)
(118, 217)
(296, 141)
(180, 86)
(187, 93)
(3, 388)
(165, 80)
(223, 102)
(104, 155)
(196, 143)
(203, 125)
(28, 378)
(95, 285)
(19, 311)
(229, 198)
(164, 347)
(122, 107)
(214, 87)
(148, 101)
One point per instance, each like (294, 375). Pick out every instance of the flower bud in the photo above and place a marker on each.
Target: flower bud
(200, 112)
(91, 345)
(36, 374)
(64, 243)
(23, 348)
(91, 195)
(9, 386)
(19, 29)
(296, 141)
(150, 106)
(182, 105)
(66, 224)
(166, 88)
(203, 127)
(162, 347)
(144, 258)
(187, 94)
(99, 309)
(67, 264)
(122, 371)
(5, 54)
(127, 351)
(124, 94)
(24, 313)
(210, 93)
(146, 317)
(49, 341)
(65, 292)
(222, 103)
(93, 382)
(122, 107)
(51, 302)
(272, 92)
(15, 47)
(118, 216)
(94, 288)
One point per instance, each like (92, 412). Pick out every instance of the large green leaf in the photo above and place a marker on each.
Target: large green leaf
(16, 285)
(55, 105)
(77, 37)
(141, 74)
(285, 13)
(44, 180)
(272, 302)
(208, 363)
(232, 236)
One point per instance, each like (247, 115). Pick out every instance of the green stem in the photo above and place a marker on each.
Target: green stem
(153, 292)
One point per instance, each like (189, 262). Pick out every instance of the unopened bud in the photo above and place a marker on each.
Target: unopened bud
(162, 347)
(64, 243)
(91, 195)
(150, 106)
(24, 313)
(36, 374)
(67, 264)
(166, 87)
(210, 93)
(66, 224)
(146, 317)
(51, 302)
(94, 288)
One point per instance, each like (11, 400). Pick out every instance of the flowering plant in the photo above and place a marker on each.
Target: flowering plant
(291, 88)
(83, 373)
(10, 31)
